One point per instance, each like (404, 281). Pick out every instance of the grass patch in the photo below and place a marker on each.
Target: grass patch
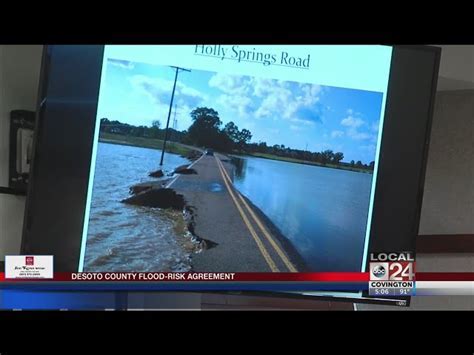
(307, 162)
(144, 142)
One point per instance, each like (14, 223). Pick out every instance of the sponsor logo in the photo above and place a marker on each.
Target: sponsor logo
(28, 267)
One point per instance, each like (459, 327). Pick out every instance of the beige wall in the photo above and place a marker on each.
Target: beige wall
(457, 62)
(456, 70)
(19, 77)
(448, 201)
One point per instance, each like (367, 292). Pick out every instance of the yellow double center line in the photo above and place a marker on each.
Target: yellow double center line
(267, 235)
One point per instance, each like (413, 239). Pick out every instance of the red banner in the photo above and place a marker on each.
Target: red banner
(203, 276)
(233, 277)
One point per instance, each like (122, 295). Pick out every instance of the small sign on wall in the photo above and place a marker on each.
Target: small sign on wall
(28, 266)
(22, 125)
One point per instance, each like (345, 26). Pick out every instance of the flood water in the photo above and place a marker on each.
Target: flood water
(123, 237)
(322, 211)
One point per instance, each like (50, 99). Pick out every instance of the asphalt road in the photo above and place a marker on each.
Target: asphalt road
(222, 215)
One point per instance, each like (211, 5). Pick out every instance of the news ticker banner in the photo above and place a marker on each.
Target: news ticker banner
(391, 274)
(425, 284)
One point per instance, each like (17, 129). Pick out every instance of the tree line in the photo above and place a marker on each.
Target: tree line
(153, 131)
(207, 131)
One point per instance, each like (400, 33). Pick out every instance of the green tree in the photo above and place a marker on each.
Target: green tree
(154, 131)
(205, 129)
(244, 137)
(222, 142)
(338, 157)
(141, 131)
(206, 117)
(359, 164)
(156, 124)
(352, 163)
(104, 125)
(327, 156)
(262, 147)
(316, 157)
(372, 165)
(232, 131)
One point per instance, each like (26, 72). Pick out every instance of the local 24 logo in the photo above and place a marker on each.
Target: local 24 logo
(392, 267)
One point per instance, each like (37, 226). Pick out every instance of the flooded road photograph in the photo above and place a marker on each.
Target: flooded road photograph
(206, 171)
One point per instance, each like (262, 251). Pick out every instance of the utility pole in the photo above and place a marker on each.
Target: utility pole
(169, 112)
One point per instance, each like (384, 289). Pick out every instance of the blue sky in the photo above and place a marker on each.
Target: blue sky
(298, 115)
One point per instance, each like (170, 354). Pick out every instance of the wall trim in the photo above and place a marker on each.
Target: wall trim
(445, 243)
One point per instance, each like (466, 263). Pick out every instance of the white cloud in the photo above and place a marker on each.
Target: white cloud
(236, 92)
(356, 128)
(311, 92)
(271, 104)
(276, 98)
(263, 87)
(124, 64)
(230, 84)
(353, 122)
(304, 107)
(159, 91)
(296, 128)
(268, 98)
(240, 104)
(337, 134)
(355, 134)
(303, 122)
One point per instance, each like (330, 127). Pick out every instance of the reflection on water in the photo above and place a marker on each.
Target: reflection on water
(322, 211)
(239, 167)
(123, 237)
